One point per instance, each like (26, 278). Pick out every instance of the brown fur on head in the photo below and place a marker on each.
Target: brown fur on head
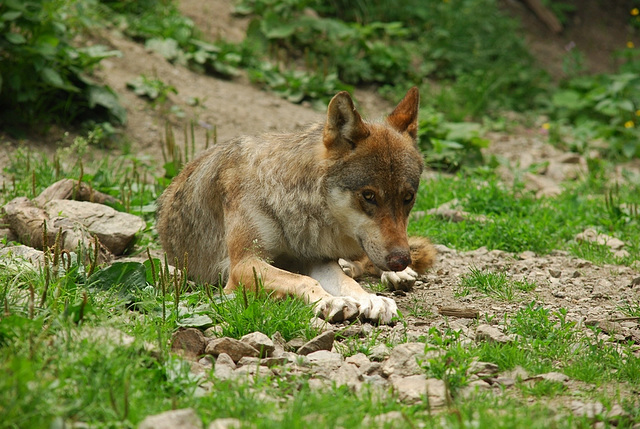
(374, 176)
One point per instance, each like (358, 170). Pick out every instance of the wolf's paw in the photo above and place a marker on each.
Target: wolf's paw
(337, 308)
(378, 308)
(399, 280)
(348, 267)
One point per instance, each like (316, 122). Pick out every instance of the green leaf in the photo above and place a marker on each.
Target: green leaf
(11, 16)
(197, 321)
(15, 38)
(569, 99)
(157, 264)
(105, 97)
(168, 48)
(125, 276)
(52, 77)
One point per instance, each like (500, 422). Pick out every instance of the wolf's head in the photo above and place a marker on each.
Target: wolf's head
(373, 176)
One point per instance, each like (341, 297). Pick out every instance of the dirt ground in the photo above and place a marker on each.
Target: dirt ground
(236, 107)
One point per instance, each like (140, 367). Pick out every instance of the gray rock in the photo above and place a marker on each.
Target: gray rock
(554, 376)
(33, 256)
(403, 360)
(491, 333)
(326, 360)
(234, 348)
(188, 342)
(347, 375)
(323, 341)
(174, 419)
(260, 342)
(379, 352)
(224, 366)
(415, 388)
(359, 360)
(225, 423)
(114, 229)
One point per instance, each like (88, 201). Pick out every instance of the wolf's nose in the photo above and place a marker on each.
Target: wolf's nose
(398, 260)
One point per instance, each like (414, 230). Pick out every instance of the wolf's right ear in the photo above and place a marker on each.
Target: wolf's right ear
(344, 127)
(404, 117)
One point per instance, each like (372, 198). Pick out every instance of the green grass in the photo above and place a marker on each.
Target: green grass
(518, 221)
(495, 285)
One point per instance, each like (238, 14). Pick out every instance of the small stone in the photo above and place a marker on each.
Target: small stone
(174, 419)
(403, 360)
(482, 369)
(274, 361)
(555, 273)
(589, 409)
(359, 360)
(414, 388)
(347, 375)
(188, 342)
(249, 360)
(234, 348)
(260, 342)
(558, 377)
(294, 344)
(225, 423)
(323, 341)
(527, 254)
(489, 333)
(325, 358)
(379, 352)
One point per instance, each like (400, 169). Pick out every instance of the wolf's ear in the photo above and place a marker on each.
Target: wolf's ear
(404, 117)
(344, 124)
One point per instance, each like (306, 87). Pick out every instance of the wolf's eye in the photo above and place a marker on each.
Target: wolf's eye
(369, 196)
(408, 197)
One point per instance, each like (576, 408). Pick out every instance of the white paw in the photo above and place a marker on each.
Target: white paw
(337, 308)
(378, 308)
(348, 267)
(399, 280)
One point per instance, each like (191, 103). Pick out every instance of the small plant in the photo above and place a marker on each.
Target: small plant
(247, 311)
(495, 285)
(154, 90)
(44, 78)
(542, 388)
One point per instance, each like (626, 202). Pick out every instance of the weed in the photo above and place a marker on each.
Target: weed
(45, 77)
(249, 311)
(495, 285)
(541, 388)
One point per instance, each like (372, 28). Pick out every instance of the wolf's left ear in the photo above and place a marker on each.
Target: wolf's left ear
(344, 124)
(404, 117)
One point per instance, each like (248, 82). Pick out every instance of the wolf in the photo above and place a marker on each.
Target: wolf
(303, 213)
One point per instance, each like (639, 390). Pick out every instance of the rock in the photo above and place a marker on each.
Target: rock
(189, 342)
(555, 273)
(558, 377)
(249, 361)
(415, 388)
(33, 256)
(588, 409)
(482, 369)
(260, 342)
(489, 333)
(294, 344)
(403, 360)
(225, 423)
(174, 419)
(224, 366)
(379, 352)
(359, 360)
(67, 189)
(114, 229)
(325, 359)
(347, 375)
(234, 348)
(592, 235)
(26, 220)
(323, 341)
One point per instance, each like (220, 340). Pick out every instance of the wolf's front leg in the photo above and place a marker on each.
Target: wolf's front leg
(333, 280)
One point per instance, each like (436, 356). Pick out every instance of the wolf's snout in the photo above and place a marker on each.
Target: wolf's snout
(398, 260)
